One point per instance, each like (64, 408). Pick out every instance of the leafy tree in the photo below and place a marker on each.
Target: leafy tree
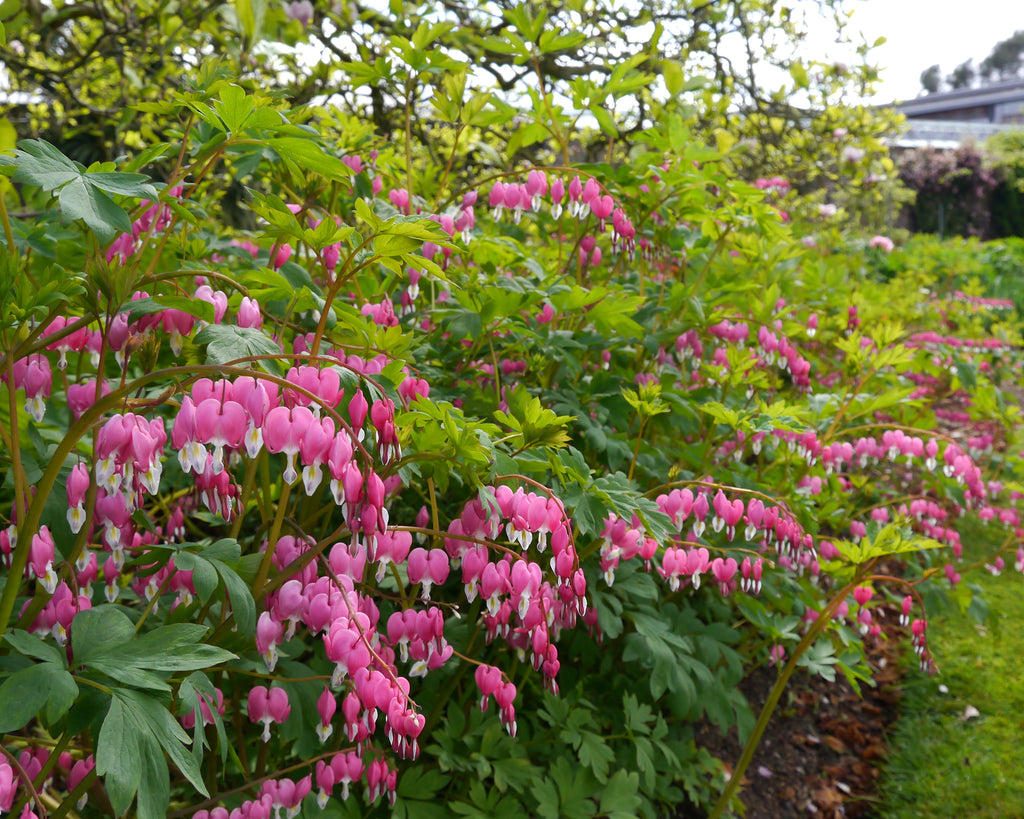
(93, 68)
(1005, 60)
(931, 79)
(963, 76)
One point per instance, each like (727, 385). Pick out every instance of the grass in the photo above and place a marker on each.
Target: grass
(946, 765)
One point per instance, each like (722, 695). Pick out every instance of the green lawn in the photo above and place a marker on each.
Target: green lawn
(944, 765)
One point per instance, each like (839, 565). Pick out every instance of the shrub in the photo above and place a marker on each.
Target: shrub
(587, 441)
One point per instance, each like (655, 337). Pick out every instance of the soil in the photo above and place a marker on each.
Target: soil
(822, 751)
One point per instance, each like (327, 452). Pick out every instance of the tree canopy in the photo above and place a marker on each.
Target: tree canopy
(1004, 62)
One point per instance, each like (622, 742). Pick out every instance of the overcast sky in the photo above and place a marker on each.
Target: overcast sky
(920, 33)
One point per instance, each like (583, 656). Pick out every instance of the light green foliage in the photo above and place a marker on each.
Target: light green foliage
(590, 360)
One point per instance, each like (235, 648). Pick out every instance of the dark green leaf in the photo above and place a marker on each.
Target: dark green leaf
(62, 694)
(157, 304)
(155, 784)
(171, 648)
(23, 695)
(95, 628)
(227, 342)
(40, 164)
(149, 716)
(80, 200)
(118, 756)
(204, 575)
(620, 799)
(240, 596)
(116, 669)
(32, 646)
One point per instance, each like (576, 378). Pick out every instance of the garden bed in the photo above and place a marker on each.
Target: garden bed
(823, 752)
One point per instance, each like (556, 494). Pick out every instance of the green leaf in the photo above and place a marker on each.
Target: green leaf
(595, 753)
(234, 107)
(83, 194)
(62, 695)
(121, 655)
(546, 794)
(537, 425)
(122, 183)
(25, 692)
(118, 757)
(672, 73)
(169, 648)
(605, 121)
(309, 155)
(422, 783)
(250, 17)
(239, 595)
(149, 717)
(80, 200)
(114, 668)
(95, 628)
(204, 575)
(157, 304)
(40, 164)
(194, 686)
(155, 784)
(31, 646)
(226, 342)
(148, 155)
(892, 539)
(620, 798)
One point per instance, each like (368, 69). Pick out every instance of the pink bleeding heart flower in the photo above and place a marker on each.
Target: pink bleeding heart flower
(221, 424)
(428, 568)
(862, 594)
(326, 705)
(283, 430)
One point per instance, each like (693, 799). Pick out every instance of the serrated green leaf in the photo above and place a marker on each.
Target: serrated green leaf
(80, 200)
(234, 107)
(595, 753)
(42, 165)
(620, 798)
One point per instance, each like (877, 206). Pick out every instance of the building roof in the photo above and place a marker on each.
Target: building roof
(994, 94)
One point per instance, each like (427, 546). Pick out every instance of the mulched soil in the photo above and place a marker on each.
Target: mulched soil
(821, 753)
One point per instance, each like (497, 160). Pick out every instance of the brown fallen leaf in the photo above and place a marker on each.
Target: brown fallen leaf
(835, 743)
(827, 798)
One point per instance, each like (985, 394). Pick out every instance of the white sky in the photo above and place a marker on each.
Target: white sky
(920, 33)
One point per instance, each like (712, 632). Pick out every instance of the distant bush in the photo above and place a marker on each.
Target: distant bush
(1006, 152)
(954, 191)
(971, 191)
